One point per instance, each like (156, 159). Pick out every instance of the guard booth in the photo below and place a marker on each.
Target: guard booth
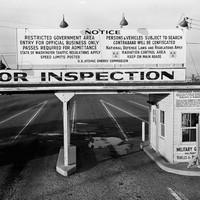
(174, 120)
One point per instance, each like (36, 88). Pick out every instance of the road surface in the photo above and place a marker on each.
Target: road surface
(102, 127)
(99, 120)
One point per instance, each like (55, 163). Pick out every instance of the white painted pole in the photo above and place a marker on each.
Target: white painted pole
(143, 131)
(65, 126)
(65, 98)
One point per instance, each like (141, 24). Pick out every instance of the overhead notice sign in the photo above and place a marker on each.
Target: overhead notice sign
(95, 46)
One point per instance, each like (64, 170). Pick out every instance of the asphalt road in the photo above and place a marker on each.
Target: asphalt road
(96, 121)
(107, 132)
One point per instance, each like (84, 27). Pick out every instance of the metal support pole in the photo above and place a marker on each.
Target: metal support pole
(143, 131)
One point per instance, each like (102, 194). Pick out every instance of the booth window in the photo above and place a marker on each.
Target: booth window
(162, 123)
(189, 121)
(154, 115)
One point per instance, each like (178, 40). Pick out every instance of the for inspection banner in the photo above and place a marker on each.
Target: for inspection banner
(100, 46)
(92, 76)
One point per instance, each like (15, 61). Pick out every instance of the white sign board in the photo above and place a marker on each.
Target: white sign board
(185, 153)
(188, 99)
(92, 76)
(95, 46)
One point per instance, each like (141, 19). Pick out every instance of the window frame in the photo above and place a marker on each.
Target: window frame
(154, 115)
(191, 127)
(162, 123)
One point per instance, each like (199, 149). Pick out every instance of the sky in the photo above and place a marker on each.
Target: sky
(104, 14)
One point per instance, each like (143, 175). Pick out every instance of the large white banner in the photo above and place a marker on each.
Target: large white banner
(95, 46)
(92, 76)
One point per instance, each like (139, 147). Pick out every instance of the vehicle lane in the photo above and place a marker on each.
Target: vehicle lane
(129, 115)
(16, 123)
(91, 117)
(49, 120)
(88, 114)
(109, 124)
(31, 114)
(103, 113)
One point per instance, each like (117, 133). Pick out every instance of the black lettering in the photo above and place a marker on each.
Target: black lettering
(102, 76)
(51, 74)
(149, 75)
(87, 32)
(112, 76)
(168, 75)
(84, 75)
(5, 77)
(20, 75)
(178, 149)
(71, 76)
(97, 31)
(131, 75)
(43, 76)
(142, 76)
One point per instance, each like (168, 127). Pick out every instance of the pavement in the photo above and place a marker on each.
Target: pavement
(129, 175)
(175, 168)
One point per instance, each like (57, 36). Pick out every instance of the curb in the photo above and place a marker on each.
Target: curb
(165, 166)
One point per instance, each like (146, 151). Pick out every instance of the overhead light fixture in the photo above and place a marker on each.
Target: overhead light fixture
(63, 24)
(184, 23)
(123, 22)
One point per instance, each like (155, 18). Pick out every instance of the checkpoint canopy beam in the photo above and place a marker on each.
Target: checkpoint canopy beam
(107, 79)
